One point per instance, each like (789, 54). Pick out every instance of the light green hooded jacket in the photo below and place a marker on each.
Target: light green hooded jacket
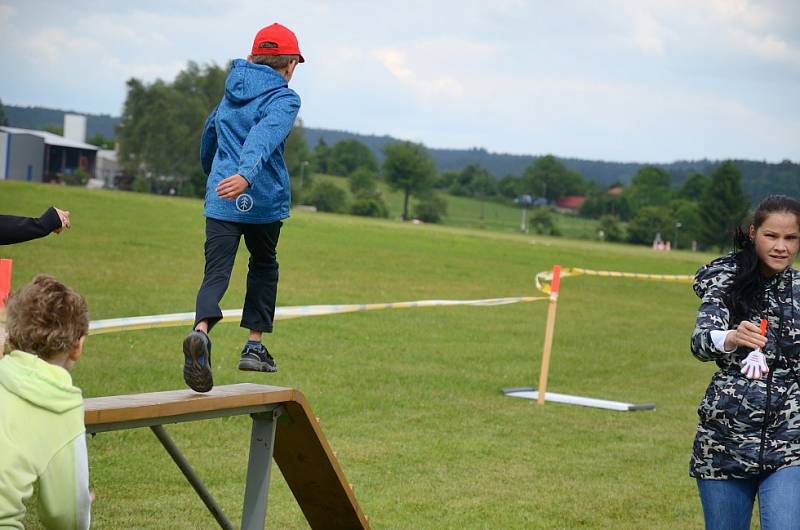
(42, 438)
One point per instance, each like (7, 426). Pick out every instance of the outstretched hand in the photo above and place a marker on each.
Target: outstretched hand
(65, 222)
(231, 187)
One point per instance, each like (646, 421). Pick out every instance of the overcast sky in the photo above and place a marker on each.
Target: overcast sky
(624, 80)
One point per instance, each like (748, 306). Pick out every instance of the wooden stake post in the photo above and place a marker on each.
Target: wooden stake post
(526, 392)
(5, 288)
(548, 333)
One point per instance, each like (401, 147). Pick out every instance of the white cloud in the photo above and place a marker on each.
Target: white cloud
(741, 13)
(425, 87)
(648, 34)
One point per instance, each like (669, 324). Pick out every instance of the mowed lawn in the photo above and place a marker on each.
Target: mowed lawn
(410, 399)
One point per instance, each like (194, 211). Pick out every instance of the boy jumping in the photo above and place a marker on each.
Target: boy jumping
(247, 194)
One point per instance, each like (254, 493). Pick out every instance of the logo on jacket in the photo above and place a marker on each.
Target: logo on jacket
(244, 202)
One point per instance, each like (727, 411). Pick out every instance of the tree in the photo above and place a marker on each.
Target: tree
(610, 227)
(296, 155)
(445, 179)
(321, 157)
(101, 141)
(362, 182)
(409, 168)
(472, 181)
(723, 206)
(510, 187)
(547, 177)
(648, 222)
(599, 203)
(693, 187)
(161, 124)
(650, 186)
(687, 223)
(3, 117)
(348, 155)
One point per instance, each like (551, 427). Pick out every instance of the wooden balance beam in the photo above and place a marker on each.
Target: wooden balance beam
(283, 427)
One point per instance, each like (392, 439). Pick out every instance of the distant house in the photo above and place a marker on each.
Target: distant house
(570, 203)
(40, 156)
(615, 191)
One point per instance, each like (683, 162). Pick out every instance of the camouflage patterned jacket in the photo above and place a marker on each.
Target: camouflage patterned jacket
(747, 426)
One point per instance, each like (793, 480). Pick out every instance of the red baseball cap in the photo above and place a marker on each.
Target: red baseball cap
(276, 40)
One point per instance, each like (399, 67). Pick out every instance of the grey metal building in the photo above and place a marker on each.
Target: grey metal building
(40, 156)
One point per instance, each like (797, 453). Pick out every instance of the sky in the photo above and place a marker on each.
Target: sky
(621, 80)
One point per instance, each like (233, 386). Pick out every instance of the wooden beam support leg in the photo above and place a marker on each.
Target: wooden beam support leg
(259, 466)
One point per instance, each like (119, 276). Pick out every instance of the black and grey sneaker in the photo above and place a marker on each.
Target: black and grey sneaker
(256, 359)
(197, 361)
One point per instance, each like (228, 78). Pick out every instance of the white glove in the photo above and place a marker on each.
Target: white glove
(754, 365)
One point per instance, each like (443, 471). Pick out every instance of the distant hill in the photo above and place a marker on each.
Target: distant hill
(758, 178)
(40, 118)
(502, 164)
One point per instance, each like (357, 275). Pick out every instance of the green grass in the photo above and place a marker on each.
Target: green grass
(410, 399)
(466, 212)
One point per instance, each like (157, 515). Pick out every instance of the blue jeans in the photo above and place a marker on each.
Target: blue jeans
(728, 504)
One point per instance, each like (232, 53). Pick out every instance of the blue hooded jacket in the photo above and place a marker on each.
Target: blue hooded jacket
(245, 134)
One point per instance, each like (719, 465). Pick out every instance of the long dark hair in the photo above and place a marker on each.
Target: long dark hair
(745, 293)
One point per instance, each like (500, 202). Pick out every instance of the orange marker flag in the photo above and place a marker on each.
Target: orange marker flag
(5, 288)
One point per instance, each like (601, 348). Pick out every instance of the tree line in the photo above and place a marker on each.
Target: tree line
(159, 134)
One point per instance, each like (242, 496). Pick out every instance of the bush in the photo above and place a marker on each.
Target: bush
(541, 221)
(648, 223)
(431, 209)
(610, 227)
(370, 206)
(327, 197)
(75, 178)
(141, 184)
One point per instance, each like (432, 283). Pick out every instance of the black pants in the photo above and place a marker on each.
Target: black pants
(222, 242)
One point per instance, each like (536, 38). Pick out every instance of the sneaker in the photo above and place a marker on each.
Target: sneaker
(197, 361)
(256, 359)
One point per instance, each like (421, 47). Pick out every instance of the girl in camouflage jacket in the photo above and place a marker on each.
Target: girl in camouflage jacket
(748, 437)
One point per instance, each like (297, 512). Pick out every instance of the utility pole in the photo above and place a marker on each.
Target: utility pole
(675, 240)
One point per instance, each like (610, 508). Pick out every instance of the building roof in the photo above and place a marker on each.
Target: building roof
(571, 201)
(50, 138)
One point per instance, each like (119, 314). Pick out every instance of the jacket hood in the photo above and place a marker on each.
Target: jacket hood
(247, 81)
(39, 382)
(719, 271)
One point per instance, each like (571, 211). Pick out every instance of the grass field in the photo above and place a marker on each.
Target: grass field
(410, 399)
(466, 212)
